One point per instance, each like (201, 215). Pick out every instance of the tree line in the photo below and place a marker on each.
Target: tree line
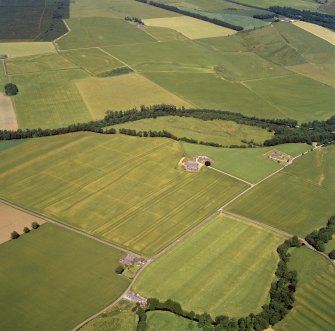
(325, 20)
(285, 130)
(281, 301)
(192, 14)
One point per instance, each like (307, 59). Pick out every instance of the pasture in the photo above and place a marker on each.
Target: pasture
(49, 99)
(93, 60)
(20, 49)
(190, 27)
(225, 268)
(221, 132)
(52, 272)
(93, 32)
(113, 93)
(297, 200)
(298, 4)
(127, 190)
(249, 164)
(165, 321)
(314, 307)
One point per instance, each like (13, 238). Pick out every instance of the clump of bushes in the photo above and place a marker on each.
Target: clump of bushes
(119, 270)
(11, 89)
(26, 229)
(35, 225)
(14, 235)
(332, 254)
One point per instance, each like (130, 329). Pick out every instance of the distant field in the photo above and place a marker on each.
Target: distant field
(317, 30)
(221, 132)
(38, 63)
(163, 34)
(113, 93)
(250, 164)
(165, 321)
(297, 200)
(99, 31)
(49, 99)
(163, 201)
(19, 49)
(53, 272)
(299, 4)
(223, 269)
(314, 307)
(190, 27)
(93, 60)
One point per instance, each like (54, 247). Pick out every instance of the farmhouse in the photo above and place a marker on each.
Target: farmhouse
(204, 160)
(131, 259)
(191, 166)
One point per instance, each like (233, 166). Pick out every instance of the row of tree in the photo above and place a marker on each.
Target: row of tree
(134, 19)
(325, 20)
(285, 130)
(318, 238)
(192, 14)
(15, 234)
(281, 301)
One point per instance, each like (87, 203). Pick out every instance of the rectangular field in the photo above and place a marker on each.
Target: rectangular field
(7, 113)
(49, 99)
(52, 279)
(299, 199)
(226, 268)
(19, 49)
(150, 201)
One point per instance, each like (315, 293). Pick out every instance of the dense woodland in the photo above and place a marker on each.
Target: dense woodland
(281, 301)
(285, 130)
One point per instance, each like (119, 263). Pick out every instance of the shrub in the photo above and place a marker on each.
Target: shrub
(332, 254)
(35, 225)
(26, 229)
(11, 89)
(14, 235)
(119, 270)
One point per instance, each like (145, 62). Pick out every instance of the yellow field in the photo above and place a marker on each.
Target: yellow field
(19, 49)
(190, 27)
(122, 93)
(317, 30)
(7, 114)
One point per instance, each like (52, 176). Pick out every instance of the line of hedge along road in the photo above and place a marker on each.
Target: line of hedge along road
(285, 130)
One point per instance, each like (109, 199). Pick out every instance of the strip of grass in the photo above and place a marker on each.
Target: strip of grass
(250, 164)
(52, 279)
(314, 306)
(299, 199)
(165, 321)
(223, 269)
(221, 132)
(150, 200)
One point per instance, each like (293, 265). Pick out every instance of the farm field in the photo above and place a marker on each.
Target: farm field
(190, 27)
(228, 252)
(298, 4)
(163, 34)
(221, 132)
(19, 49)
(112, 93)
(165, 321)
(157, 210)
(93, 32)
(49, 99)
(313, 308)
(249, 164)
(317, 30)
(274, 202)
(7, 113)
(46, 271)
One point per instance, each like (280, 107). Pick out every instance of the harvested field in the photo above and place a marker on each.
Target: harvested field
(52, 272)
(112, 93)
(317, 30)
(12, 219)
(228, 252)
(190, 27)
(92, 193)
(20, 49)
(7, 113)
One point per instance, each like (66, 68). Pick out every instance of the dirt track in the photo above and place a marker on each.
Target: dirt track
(7, 114)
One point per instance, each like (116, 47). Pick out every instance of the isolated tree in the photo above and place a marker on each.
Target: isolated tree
(119, 270)
(14, 235)
(35, 225)
(26, 229)
(332, 254)
(11, 89)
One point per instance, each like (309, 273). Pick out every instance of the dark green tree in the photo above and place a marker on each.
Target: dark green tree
(14, 235)
(11, 89)
(26, 229)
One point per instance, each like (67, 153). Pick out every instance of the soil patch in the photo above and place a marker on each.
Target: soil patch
(12, 219)
(7, 114)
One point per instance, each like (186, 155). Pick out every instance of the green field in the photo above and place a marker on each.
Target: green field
(6, 144)
(299, 4)
(299, 199)
(314, 306)
(93, 60)
(49, 99)
(163, 201)
(226, 268)
(93, 32)
(52, 279)
(19, 49)
(221, 132)
(248, 163)
(165, 321)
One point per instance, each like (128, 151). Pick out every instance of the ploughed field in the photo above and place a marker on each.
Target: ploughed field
(123, 189)
(53, 279)
(225, 268)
